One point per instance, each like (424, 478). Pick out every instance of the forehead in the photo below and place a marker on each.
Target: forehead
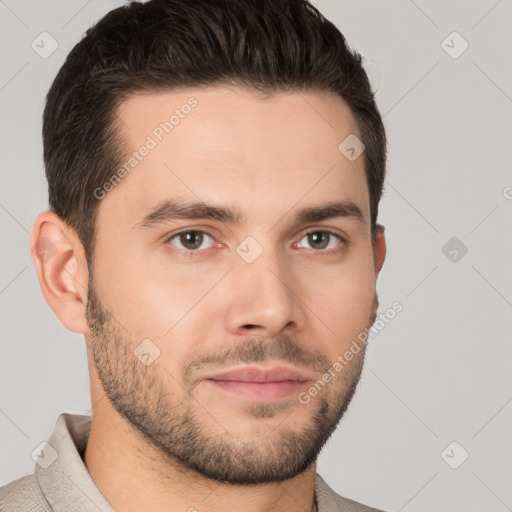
(232, 146)
(233, 113)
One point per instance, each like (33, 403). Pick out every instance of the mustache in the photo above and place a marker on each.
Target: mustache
(255, 350)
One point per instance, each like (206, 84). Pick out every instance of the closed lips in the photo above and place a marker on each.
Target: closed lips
(258, 375)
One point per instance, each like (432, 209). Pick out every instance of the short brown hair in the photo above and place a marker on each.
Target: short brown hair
(265, 45)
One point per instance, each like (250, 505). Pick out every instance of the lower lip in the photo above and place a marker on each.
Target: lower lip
(261, 391)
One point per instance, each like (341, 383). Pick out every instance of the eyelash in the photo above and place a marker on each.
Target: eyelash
(199, 252)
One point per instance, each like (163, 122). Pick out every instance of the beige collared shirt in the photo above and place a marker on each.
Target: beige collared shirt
(61, 482)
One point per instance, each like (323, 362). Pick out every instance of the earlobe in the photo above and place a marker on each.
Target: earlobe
(61, 267)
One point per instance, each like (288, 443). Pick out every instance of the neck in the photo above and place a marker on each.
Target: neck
(133, 475)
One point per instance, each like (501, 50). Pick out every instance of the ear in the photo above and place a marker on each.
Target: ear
(379, 255)
(61, 266)
(379, 249)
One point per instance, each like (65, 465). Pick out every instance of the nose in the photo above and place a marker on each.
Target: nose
(262, 298)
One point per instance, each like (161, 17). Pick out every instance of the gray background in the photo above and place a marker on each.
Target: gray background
(440, 371)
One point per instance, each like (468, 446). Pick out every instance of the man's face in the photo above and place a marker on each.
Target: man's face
(209, 296)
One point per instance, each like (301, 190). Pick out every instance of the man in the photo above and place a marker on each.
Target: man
(215, 169)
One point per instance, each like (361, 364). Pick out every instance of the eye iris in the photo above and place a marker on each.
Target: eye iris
(188, 238)
(318, 236)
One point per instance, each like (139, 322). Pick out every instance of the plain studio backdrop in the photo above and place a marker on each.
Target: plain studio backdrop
(429, 426)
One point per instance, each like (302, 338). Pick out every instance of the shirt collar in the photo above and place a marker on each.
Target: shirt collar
(61, 472)
(67, 485)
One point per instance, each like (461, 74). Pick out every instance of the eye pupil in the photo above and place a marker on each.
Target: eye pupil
(318, 236)
(189, 237)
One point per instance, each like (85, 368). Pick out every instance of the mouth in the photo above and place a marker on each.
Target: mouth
(261, 384)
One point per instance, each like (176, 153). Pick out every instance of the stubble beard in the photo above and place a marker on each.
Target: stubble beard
(181, 428)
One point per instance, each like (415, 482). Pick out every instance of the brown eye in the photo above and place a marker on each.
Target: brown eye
(322, 240)
(190, 240)
(318, 239)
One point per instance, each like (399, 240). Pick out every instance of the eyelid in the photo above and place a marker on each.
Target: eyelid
(322, 229)
(342, 239)
(168, 238)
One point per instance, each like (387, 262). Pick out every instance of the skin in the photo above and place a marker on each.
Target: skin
(212, 310)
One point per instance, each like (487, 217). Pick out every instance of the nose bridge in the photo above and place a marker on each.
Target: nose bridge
(263, 294)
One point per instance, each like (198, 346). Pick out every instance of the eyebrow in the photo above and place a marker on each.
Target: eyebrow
(170, 210)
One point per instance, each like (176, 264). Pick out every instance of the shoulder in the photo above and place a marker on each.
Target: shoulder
(23, 495)
(331, 501)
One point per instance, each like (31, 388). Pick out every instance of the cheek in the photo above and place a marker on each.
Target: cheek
(133, 292)
(344, 300)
